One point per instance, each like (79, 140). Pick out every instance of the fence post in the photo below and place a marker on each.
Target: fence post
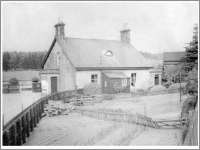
(31, 120)
(34, 117)
(19, 132)
(23, 129)
(27, 124)
(5, 138)
(37, 113)
(13, 135)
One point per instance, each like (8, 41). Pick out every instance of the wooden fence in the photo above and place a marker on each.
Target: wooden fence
(166, 91)
(18, 128)
(120, 117)
(191, 137)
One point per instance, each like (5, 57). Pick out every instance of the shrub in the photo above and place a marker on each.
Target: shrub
(166, 84)
(192, 81)
(14, 82)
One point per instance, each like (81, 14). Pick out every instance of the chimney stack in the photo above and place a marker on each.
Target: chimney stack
(60, 30)
(125, 34)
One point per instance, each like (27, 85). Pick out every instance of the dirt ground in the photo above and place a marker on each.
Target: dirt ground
(74, 129)
(165, 106)
(77, 130)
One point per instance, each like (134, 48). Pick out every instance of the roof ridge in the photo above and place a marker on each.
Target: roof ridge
(118, 41)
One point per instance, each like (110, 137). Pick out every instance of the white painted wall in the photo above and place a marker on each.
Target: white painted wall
(46, 83)
(84, 77)
(144, 78)
(66, 77)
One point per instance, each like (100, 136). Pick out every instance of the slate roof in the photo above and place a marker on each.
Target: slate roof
(22, 75)
(173, 56)
(91, 53)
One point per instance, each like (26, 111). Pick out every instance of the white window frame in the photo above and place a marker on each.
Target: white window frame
(133, 79)
(156, 75)
(94, 78)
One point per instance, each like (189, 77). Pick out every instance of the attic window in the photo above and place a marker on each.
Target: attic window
(108, 53)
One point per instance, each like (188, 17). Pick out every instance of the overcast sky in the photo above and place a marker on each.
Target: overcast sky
(155, 26)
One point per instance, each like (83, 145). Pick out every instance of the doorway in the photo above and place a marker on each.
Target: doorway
(156, 80)
(54, 83)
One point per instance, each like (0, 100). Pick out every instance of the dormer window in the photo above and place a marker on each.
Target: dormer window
(108, 53)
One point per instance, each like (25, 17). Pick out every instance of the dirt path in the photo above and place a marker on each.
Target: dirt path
(122, 136)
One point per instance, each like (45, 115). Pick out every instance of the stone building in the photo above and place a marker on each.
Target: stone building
(72, 63)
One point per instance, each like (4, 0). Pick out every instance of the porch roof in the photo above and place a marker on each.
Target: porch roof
(115, 74)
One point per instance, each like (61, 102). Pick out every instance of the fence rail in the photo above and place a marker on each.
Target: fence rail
(18, 129)
(120, 117)
(149, 93)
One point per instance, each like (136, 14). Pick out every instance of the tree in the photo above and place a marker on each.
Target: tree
(191, 62)
(6, 61)
(192, 51)
(22, 60)
(14, 81)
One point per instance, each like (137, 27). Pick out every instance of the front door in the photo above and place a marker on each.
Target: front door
(156, 80)
(53, 84)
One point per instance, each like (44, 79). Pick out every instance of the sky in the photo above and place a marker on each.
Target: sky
(156, 27)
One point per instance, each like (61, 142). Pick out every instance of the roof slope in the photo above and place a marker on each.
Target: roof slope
(173, 56)
(22, 75)
(115, 74)
(92, 53)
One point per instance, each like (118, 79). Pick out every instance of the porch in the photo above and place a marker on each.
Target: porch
(115, 82)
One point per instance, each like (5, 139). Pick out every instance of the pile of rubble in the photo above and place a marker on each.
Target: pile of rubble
(64, 107)
(54, 108)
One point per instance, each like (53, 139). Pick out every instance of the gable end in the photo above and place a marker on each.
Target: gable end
(48, 53)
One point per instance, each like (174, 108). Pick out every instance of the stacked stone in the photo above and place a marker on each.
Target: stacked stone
(54, 108)
(87, 100)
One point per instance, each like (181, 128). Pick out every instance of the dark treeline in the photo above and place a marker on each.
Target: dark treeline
(22, 60)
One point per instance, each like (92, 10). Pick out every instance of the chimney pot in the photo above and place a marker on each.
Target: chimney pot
(60, 30)
(125, 35)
